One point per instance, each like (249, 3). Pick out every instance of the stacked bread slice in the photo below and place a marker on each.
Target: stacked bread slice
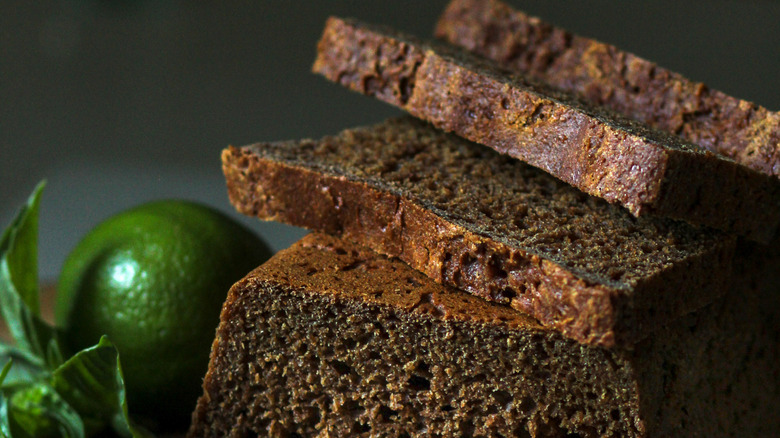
(472, 218)
(621, 81)
(600, 152)
(451, 289)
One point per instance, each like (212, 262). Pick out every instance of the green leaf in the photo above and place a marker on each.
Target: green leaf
(26, 367)
(5, 423)
(37, 410)
(19, 302)
(5, 371)
(92, 382)
(20, 241)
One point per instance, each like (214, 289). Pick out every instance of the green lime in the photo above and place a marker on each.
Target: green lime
(153, 279)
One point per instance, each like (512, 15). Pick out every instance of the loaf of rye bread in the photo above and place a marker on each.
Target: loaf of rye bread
(330, 339)
(601, 153)
(624, 82)
(486, 223)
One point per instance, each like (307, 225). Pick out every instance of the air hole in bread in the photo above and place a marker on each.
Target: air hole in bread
(341, 367)
(359, 428)
(387, 414)
(419, 383)
(503, 398)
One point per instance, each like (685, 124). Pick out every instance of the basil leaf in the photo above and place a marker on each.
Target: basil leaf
(5, 371)
(19, 302)
(20, 242)
(5, 423)
(92, 382)
(26, 367)
(37, 410)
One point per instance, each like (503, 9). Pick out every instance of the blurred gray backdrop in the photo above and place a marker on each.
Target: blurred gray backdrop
(120, 102)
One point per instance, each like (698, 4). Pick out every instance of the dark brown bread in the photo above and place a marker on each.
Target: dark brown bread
(330, 339)
(600, 153)
(472, 218)
(606, 75)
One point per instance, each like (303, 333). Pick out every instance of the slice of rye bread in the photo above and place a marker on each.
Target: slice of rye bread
(601, 153)
(330, 339)
(484, 222)
(624, 82)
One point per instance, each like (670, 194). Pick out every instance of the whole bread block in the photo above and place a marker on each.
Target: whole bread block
(330, 339)
(486, 223)
(605, 75)
(599, 152)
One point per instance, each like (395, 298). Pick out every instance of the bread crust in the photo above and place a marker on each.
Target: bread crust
(312, 184)
(605, 75)
(601, 153)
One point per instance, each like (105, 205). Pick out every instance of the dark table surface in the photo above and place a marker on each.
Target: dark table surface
(119, 102)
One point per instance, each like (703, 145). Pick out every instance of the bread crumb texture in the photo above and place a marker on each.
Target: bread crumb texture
(486, 223)
(330, 339)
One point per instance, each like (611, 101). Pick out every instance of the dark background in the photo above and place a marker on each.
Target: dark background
(119, 102)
